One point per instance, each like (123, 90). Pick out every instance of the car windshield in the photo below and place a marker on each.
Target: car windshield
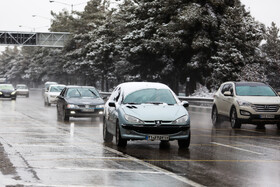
(22, 87)
(82, 92)
(254, 90)
(56, 88)
(154, 96)
(6, 87)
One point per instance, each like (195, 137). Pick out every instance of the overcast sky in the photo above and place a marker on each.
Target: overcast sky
(16, 15)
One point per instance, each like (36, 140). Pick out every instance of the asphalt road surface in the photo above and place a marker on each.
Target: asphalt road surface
(38, 150)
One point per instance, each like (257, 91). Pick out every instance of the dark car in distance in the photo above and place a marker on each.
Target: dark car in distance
(79, 101)
(8, 91)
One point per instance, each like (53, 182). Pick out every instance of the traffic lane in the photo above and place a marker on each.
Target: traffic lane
(46, 152)
(218, 156)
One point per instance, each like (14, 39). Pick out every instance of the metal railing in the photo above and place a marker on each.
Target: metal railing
(196, 101)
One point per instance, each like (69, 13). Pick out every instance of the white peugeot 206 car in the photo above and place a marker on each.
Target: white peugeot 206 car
(246, 102)
(146, 111)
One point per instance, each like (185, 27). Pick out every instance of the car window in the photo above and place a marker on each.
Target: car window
(227, 87)
(254, 90)
(152, 95)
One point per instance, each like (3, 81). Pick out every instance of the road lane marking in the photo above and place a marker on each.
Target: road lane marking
(237, 148)
(163, 171)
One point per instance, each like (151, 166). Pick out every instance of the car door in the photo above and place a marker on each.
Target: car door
(225, 101)
(60, 100)
(112, 111)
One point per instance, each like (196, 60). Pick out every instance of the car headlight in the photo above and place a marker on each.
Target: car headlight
(99, 107)
(132, 119)
(53, 96)
(71, 106)
(243, 103)
(181, 120)
(1, 93)
(13, 93)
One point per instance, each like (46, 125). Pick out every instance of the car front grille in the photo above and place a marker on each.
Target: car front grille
(88, 106)
(265, 108)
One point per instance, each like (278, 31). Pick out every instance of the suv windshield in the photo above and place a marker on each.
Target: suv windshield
(82, 92)
(155, 96)
(254, 90)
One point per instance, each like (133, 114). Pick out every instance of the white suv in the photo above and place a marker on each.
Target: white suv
(246, 102)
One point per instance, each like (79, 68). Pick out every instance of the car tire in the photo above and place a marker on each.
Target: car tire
(234, 121)
(107, 137)
(65, 117)
(185, 143)
(278, 126)
(119, 140)
(48, 103)
(215, 116)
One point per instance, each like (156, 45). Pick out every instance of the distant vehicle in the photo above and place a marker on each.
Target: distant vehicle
(79, 101)
(50, 96)
(22, 89)
(47, 84)
(146, 111)
(246, 102)
(8, 91)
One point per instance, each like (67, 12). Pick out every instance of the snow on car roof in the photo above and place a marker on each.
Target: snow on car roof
(130, 87)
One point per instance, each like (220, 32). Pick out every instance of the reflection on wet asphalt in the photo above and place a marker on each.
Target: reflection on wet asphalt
(47, 152)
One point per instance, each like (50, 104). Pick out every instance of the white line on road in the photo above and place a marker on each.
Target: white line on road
(237, 148)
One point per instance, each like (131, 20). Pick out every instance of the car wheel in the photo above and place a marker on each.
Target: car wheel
(58, 114)
(185, 143)
(27, 95)
(278, 126)
(215, 116)
(65, 117)
(234, 121)
(48, 103)
(119, 140)
(107, 137)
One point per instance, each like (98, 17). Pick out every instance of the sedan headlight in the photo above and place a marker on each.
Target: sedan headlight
(1, 93)
(132, 119)
(99, 107)
(13, 93)
(243, 103)
(181, 120)
(72, 106)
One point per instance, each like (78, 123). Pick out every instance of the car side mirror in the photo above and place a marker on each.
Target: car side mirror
(185, 104)
(112, 104)
(228, 93)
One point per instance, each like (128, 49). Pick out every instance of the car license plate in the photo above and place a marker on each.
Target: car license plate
(157, 137)
(88, 109)
(265, 116)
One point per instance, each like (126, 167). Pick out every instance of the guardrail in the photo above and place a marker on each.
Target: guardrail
(197, 101)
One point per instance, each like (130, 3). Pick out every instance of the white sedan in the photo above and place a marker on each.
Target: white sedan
(50, 96)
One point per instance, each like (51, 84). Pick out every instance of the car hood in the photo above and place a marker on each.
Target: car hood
(150, 112)
(6, 91)
(261, 99)
(85, 101)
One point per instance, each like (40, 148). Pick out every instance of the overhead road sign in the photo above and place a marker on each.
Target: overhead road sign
(44, 39)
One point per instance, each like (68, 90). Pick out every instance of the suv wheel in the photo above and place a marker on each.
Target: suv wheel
(215, 116)
(234, 121)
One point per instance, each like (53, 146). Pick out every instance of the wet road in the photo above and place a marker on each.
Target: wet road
(37, 150)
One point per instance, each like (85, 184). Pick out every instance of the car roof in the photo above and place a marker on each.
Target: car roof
(57, 85)
(129, 87)
(77, 86)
